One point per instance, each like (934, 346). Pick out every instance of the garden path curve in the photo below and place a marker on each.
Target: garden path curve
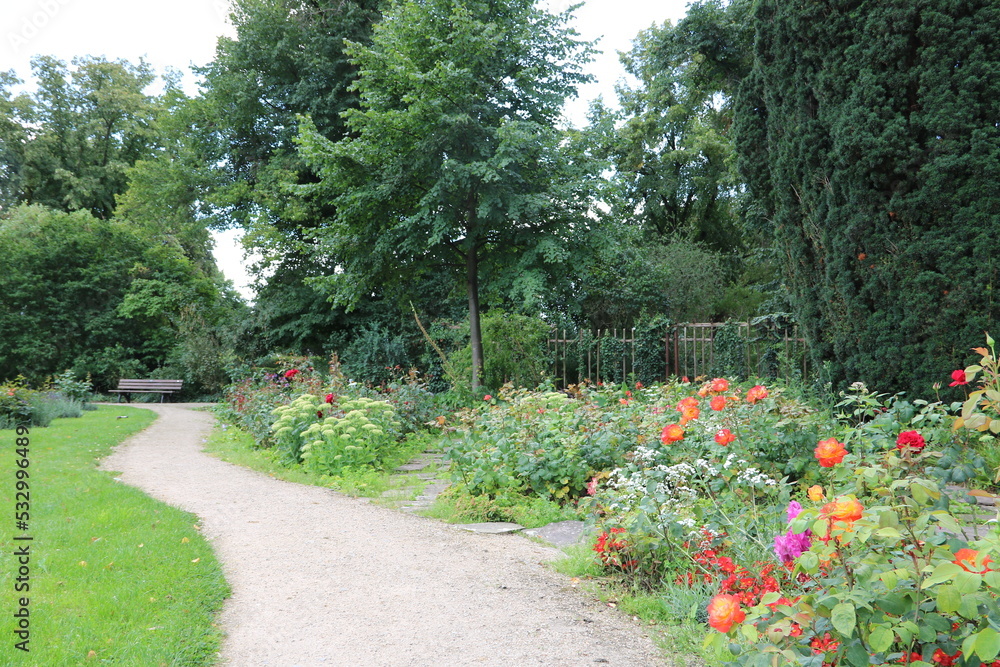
(319, 578)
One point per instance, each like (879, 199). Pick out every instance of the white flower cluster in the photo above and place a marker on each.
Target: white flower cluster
(644, 455)
(754, 477)
(706, 467)
(733, 459)
(671, 483)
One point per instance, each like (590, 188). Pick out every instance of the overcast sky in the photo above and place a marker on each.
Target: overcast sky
(182, 33)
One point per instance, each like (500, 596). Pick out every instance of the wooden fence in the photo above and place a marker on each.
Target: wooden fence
(614, 355)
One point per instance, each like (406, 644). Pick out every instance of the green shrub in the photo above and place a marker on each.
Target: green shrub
(514, 348)
(359, 434)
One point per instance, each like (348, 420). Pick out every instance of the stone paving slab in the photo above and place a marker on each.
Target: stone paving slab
(490, 528)
(561, 533)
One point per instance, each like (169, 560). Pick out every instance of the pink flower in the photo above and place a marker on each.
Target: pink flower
(592, 486)
(794, 508)
(791, 545)
(958, 378)
(487, 397)
(329, 398)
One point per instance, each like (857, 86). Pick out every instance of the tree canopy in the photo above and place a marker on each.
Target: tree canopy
(69, 145)
(100, 297)
(454, 162)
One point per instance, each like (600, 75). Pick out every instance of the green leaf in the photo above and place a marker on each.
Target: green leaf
(943, 572)
(926, 633)
(988, 644)
(843, 618)
(809, 562)
(881, 638)
(948, 598)
(969, 645)
(857, 656)
(969, 607)
(894, 603)
(888, 533)
(923, 494)
(967, 582)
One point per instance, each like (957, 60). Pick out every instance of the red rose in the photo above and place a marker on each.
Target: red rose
(724, 437)
(957, 378)
(756, 393)
(911, 440)
(329, 398)
(966, 559)
(292, 373)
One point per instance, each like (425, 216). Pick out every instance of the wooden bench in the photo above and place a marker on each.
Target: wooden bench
(161, 387)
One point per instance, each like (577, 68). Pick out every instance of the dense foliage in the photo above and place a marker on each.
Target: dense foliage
(420, 166)
(102, 298)
(69, 145)
(867, 132)
(454, 164)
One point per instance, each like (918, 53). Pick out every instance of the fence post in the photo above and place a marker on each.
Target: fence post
(677, 368)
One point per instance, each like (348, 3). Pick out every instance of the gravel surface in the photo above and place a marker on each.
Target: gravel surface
(319, 578)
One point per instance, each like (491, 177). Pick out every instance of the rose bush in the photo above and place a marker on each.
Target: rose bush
(888, 576)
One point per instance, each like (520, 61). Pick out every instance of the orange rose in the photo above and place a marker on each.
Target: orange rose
(719, 385)
(685, 403)
(830, 452)
(966, 559)
(718, 403)
(815, 493)
(724, 612)
(724, 436)
(672, 433)
(688, 414)
(756, 393)
(846, 508)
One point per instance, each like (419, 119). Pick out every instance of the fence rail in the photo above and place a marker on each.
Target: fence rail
(750, 349)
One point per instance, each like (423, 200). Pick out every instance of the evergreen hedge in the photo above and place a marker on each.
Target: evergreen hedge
(868, 131)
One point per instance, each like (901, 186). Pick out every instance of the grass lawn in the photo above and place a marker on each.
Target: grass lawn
(115, 576)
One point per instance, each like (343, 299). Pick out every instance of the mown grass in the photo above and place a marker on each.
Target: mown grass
(116, 577)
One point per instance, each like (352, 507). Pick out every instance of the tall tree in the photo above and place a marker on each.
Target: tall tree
(287, 60)
(868, 132)
(454, 161)
(69, 145)
(671, 144)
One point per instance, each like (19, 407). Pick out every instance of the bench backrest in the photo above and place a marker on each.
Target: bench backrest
(150, 385)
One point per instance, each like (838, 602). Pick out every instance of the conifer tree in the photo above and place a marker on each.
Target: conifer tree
(868, 130)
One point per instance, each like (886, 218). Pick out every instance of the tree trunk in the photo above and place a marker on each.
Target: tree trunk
(475, 333)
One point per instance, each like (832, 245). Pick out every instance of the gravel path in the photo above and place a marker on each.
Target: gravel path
(322, 579)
